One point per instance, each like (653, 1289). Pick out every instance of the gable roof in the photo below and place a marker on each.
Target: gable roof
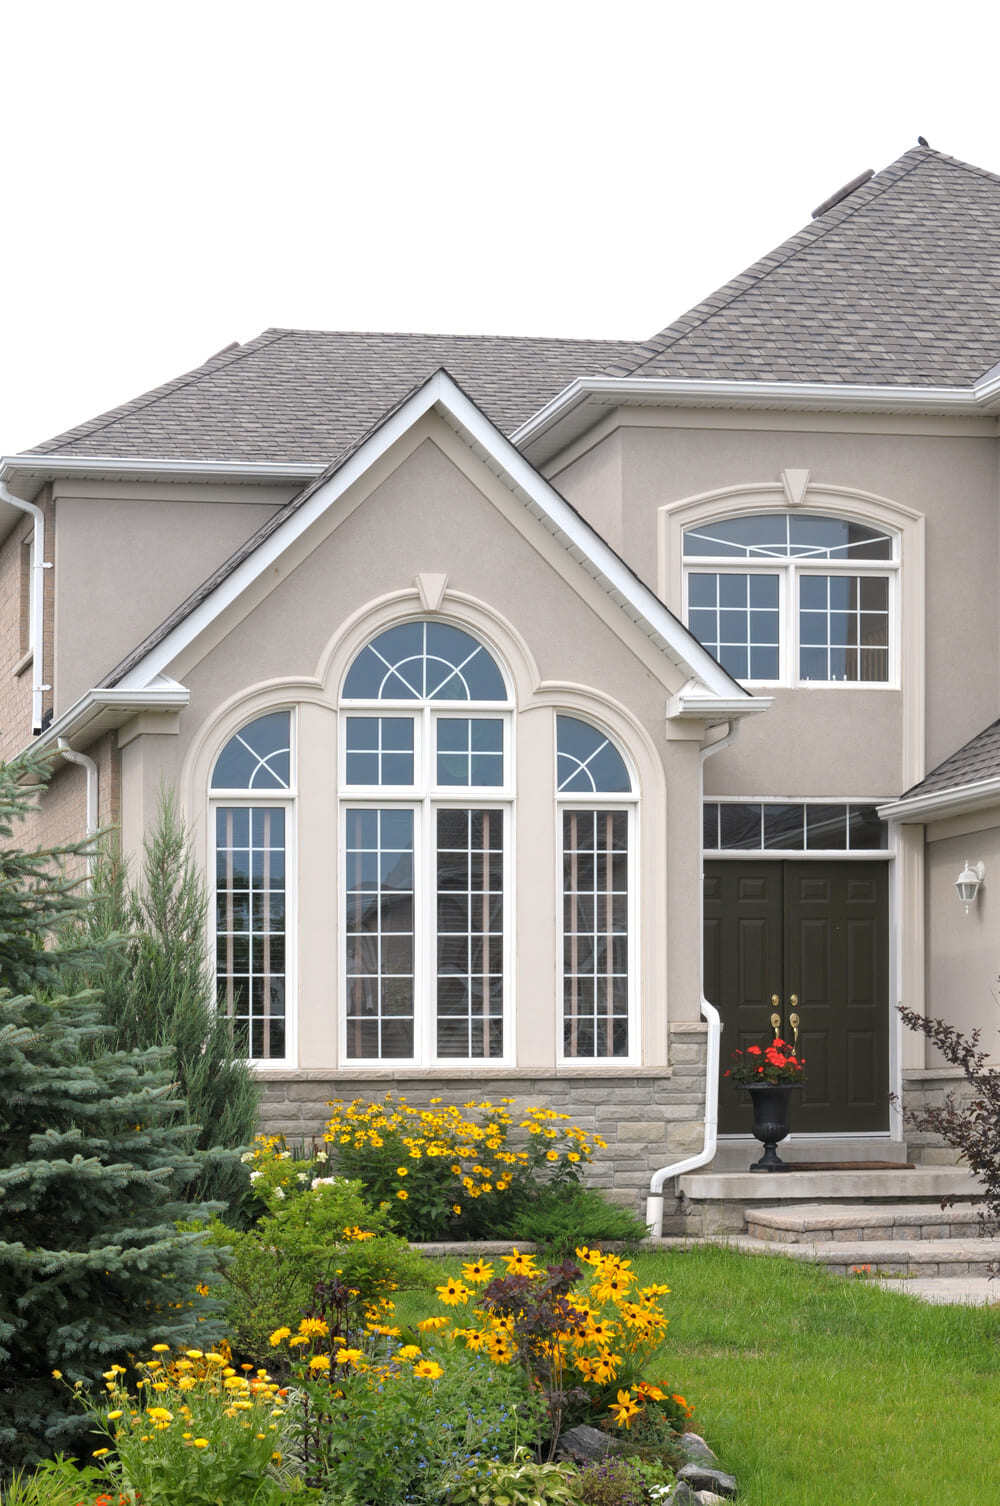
(296, 396)
(896, 284)
(441, 393)
(971, 774)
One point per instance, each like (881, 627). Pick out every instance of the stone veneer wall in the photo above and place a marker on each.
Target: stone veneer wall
(925, 1088)
(650, 1116)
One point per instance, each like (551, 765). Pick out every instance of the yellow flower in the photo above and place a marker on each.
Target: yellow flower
(353, 1357)
(319, 1362)
(518, 1264)
(201, 1443)
(408, 1352)
(298, 1338)
(402, 1194)
(427, 1325)
(477, 1271)
(428, 1369)
(624, 1409)
(193, 1354)
(100, 1452)
(160, 1414)
(57, 1375)
(402, 1171)
(161, 1348)
(453, 1292)
(276, 1337)
(314, 1328)
(551, 1155)
(113, 1415)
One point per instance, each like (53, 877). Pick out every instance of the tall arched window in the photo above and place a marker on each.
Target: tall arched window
(426, 786)
(251, 807)
(795, 598)
(597, 817)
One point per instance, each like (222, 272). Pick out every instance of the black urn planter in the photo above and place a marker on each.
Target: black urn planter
(770, 1120)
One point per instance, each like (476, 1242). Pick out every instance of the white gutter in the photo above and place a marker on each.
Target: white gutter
(112, 708)
(948, 802)
(185, 470)
(37, 618)
(654, 1198)
(90, 772)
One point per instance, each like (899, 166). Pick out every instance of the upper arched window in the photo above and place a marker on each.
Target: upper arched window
(587, 760)
(251, 813)
(791, 598)
(431, 661)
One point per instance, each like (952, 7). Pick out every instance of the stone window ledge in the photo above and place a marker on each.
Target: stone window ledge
(429, 1077)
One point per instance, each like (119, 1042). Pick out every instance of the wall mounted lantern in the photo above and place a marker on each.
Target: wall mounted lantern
(969, 883)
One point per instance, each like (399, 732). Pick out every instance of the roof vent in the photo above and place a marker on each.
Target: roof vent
(843, 193)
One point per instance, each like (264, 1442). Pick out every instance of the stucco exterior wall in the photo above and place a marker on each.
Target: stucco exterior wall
(16, 668)
(436, 509)
(128, 555)
(963, 952)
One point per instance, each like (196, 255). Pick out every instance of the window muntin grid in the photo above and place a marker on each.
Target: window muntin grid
(587, 761)
(844, 627)
(470, 751)
(821, 638)
(470, 941)
(808, 826)
(250, 908)
(736, 617)
(380, 932)
(595, 968)
(431, 661)
(379, 750)
(257, 757)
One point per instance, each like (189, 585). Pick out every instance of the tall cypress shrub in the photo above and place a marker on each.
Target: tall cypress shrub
(96, 1165)
(158, 991)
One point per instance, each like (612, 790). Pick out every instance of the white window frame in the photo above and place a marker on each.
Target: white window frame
(615, 801)
(796, 854)
(288, 801)
(424, 798)
(789, 571)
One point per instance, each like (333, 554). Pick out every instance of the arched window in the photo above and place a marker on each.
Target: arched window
(596, 817)
(426, 786)
(251, 800)
(794, 598)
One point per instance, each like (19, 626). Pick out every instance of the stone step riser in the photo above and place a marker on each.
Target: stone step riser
(965, 1229)
(962, 1256)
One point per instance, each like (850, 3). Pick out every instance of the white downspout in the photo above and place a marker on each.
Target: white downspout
(654, 1199)
(36, 625)
(90, 770)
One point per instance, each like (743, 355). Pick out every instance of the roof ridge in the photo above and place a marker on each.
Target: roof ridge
(415, 334)
(155, 395)
(756, 273)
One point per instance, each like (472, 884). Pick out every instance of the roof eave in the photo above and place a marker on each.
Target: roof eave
(579, 405)
(936, 805)
(26, 474)
(99, 710)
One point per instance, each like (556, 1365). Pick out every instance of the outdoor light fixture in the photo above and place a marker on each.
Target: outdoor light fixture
(969, 883)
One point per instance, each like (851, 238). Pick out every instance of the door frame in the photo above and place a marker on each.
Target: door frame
(888, 855)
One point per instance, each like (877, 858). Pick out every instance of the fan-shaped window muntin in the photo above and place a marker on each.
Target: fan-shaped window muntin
(596, 826)
(258, 756)
(817, 606)
(416, 661)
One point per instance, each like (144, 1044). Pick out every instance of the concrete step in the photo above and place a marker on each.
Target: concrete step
(737, 1152)
(927, 1183)
(892, 1257)
(854, 1222)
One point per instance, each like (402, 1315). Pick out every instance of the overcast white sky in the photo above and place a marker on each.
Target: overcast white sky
(177, 176)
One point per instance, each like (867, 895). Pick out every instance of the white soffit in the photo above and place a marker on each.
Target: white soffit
(543, 502)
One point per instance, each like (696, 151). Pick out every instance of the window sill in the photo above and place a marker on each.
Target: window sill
(453, 1074)
(25, 662)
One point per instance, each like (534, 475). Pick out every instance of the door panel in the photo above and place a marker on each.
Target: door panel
(818, 930)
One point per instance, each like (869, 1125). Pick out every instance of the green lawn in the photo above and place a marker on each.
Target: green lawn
(819, 1391)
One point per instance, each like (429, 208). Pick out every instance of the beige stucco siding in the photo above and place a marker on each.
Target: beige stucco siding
(963, 953)
(127, 560)
(434, 508)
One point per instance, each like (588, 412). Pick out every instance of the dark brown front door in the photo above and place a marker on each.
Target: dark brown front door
(818, 930)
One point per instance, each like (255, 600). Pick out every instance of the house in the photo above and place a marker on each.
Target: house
(472, 660)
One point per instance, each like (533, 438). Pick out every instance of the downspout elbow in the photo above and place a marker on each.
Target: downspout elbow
(85, 762)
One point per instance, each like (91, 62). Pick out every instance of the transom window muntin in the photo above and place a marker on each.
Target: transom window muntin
(436, 990)
(251, 813)
(786, 827)
(828, 587)
(597, 867)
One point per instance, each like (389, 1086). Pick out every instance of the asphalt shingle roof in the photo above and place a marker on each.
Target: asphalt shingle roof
(898, 284)
(293, 395)
(977, 759)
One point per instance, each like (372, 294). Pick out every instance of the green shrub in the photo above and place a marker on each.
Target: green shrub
(559, 1219)
(58, 1482)
(522, 1482)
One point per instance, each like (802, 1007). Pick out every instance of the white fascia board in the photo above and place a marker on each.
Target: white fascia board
(687, 706)
(441, 393)
(938, 804)
(45, 467)
(603, 392)
(111, 708)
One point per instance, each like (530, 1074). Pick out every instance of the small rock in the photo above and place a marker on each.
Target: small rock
(682, 1495)
(709, 1498)
(701, 1477)
(585, 1444)
(695, 1449)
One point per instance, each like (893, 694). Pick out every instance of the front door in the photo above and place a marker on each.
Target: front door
(818, 930)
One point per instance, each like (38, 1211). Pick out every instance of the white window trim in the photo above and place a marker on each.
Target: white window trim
(424, 797)
(796, 854)
(789, 571)
(627, 800)
(288, 800)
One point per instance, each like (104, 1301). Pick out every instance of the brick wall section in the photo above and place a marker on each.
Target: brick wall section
(649, 1120)
(15, 689)
(60, 815)
(924, 1089)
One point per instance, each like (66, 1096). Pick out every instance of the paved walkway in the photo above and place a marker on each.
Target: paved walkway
(975, 1291)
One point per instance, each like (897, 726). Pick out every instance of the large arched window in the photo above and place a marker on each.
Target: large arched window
(596, 818)
(251, 808)
(794, 598)
(426, 786)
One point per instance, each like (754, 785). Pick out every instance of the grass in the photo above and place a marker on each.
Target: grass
(820, 1391)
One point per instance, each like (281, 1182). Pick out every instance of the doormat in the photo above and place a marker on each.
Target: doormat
(852, 1165)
